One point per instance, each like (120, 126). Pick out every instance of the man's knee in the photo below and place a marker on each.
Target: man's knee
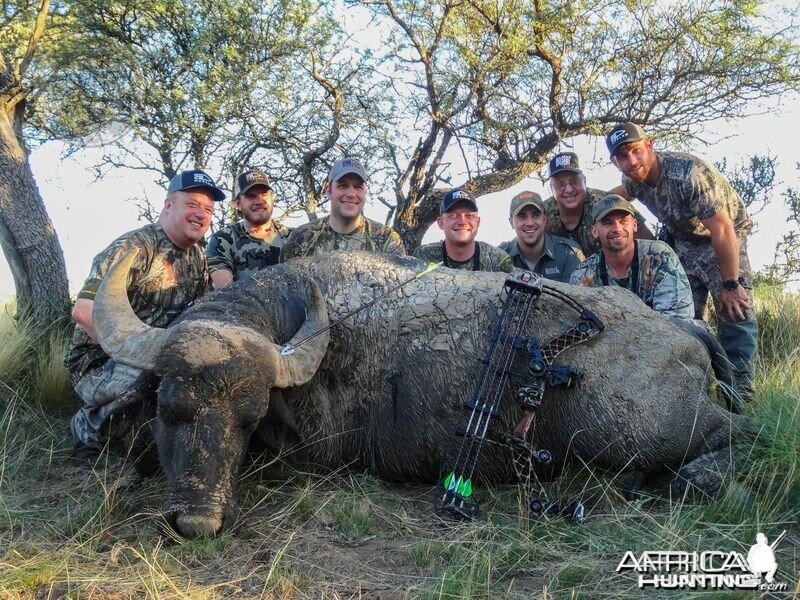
(107, 392)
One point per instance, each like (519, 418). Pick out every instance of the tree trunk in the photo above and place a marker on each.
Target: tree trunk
(27, 236)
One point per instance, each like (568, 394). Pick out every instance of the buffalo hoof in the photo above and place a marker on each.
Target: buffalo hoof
(192, 526)
(704, 477)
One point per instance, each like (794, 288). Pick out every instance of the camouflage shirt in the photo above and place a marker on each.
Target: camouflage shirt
(659, 281)
(689, 190)
(582, 234)
(560, 257)
(489, 258)
(234, 249)
(313, 239)
(163, 281)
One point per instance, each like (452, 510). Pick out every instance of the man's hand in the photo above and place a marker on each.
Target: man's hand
(726, 249)
(735, 303)
(220, 278)
(82, 313)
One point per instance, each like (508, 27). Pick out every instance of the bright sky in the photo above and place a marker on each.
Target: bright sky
(88, 215)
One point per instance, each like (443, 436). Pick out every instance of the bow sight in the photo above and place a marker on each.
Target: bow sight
(454, 494)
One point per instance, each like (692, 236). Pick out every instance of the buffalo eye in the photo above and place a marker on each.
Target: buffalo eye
(177, 401)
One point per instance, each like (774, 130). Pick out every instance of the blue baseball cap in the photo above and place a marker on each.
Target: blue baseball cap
(565, 162)
(454, 197)
(195, 178)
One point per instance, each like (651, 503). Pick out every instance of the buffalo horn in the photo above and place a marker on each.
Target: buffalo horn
(299, 367)
(122, 334)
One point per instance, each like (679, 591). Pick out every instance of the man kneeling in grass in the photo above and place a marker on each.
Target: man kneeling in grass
(168, 274)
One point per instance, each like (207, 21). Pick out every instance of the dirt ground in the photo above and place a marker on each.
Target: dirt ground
(79, 532)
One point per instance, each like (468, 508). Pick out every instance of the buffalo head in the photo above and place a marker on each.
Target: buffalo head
(216, 365)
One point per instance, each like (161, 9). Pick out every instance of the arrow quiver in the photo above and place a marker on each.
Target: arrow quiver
(454, 493)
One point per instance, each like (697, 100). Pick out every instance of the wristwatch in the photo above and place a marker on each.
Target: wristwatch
(730, 284)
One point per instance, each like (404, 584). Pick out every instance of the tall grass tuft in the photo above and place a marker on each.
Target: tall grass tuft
(31, 363)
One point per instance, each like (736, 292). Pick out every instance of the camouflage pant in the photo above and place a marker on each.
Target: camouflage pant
(738, 338)
(106, 392)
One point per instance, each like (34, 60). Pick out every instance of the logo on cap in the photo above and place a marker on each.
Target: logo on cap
(203, 179)
(254, 176)
(460, 195)
(618, 135)
(563, 160)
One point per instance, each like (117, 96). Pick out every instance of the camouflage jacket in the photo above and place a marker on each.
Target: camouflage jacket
(163, 281)
(232, 248)
(582, 234)
(659, 281)
(489, 258)
(313, 239)
(689, 190)
(560, 257)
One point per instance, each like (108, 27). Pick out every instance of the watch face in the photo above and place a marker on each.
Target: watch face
(730, 284)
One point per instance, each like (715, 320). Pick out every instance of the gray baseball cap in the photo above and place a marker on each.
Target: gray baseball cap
(524, 199)
(608, 204)
(250, 179)
(347, 166)
(623, 133)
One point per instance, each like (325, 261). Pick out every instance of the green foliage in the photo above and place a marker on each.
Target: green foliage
(755, 182)
(31, 358)
(352, 517)
(434, 94)
(198, 550)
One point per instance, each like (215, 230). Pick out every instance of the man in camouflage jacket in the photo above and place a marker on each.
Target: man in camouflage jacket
(648, 268)
(168, 274)
(254, 242)
(346, 227)
(459, 220)
(569, 209)
(709, 223)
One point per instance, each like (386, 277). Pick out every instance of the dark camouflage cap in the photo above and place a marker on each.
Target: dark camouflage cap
(250, 179)
(524, 199)
(195, 178)
(454, 197)
(608, 204)
(347, 166)
(565, 162)
(623, 133)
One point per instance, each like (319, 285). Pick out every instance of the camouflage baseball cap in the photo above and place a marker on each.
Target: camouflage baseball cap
(524, 199)
(623, 134)
(195, 178)
(608, 204)
(454, 197)
(565, 162)
(347, 166)
(250, 179)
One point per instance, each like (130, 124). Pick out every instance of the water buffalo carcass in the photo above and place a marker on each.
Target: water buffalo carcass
(385, 389)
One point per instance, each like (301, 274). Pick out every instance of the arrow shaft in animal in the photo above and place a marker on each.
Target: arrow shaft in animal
(288, 349)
